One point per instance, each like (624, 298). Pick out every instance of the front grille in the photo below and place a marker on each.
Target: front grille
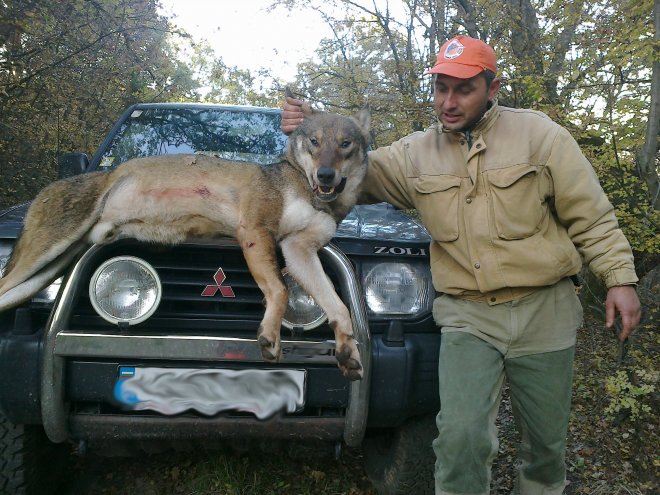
(186, 271)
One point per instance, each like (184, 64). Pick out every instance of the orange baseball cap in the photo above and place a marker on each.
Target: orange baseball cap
(464, 57)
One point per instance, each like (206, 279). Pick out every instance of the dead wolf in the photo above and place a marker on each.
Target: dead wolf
(168, 199)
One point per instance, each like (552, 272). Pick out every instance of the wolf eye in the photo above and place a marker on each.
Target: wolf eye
(314, 141)
(345, 144)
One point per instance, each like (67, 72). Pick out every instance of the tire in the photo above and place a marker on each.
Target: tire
(30, 464)
(401, 461)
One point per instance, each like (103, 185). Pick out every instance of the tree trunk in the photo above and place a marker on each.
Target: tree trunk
(648, 156)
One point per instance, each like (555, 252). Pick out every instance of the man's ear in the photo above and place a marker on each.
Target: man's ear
(494, 88)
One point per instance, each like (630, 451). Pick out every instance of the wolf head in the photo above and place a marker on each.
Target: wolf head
(330, 148)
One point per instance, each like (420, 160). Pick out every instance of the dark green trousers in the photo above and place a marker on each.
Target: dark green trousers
(472, 371)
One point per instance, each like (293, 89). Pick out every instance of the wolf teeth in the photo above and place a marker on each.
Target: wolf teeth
(326, 190)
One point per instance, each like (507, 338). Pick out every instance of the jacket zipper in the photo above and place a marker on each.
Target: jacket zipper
(468, 139)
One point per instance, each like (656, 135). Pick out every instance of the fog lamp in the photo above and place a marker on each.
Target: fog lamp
(125, 289)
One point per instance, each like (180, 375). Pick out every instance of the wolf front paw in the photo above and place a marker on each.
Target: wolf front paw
(270, 348)
(349, 362)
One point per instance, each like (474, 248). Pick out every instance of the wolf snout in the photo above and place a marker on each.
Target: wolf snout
(328, 184)
(326, 176)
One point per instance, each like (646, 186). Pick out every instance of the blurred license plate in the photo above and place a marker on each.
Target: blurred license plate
(209, 391)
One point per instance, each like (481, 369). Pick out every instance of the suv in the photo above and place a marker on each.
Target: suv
(64, 364)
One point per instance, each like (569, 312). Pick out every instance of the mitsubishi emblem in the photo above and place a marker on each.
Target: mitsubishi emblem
(212, 290)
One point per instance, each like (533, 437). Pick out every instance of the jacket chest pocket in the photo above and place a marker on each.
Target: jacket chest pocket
(437, 202)
(518, 208)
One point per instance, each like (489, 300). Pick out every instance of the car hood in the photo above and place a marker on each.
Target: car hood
(383, 222)
(379, 221)
(11, 220)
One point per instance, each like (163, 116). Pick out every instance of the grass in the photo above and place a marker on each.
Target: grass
(276, 470)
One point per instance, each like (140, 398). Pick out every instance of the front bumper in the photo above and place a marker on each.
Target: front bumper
(61, 344)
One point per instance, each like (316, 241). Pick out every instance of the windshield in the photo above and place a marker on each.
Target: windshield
(232, 134)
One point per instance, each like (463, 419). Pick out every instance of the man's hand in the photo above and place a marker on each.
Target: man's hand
(624, 300)
(292, 115)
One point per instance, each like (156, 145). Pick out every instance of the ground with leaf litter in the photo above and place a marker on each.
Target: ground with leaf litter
(609, 453)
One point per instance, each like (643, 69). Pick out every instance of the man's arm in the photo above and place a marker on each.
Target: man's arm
(584, 209)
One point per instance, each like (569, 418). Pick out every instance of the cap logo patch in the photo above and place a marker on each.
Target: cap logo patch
(453, 50)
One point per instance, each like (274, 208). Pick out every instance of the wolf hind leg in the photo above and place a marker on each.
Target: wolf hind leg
(304, 265)
(258, 247)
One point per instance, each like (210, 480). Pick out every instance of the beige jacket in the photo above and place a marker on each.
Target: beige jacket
(512, 212)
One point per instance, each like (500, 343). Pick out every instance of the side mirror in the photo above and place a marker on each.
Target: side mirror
(71, 164)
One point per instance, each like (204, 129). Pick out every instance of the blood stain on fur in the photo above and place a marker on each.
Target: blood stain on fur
(202, 191)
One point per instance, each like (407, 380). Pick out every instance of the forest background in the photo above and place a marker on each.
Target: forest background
(69, 68)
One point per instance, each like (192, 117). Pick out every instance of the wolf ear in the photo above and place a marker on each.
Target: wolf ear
(307, 109)
(363, 118)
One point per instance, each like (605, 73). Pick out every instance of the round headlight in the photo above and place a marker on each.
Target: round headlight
(125, 290)
(301, 311)
(397, 289)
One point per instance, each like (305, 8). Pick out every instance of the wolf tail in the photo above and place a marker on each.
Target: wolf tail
(55, 230)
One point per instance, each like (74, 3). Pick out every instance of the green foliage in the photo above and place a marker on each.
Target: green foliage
(609, 449)
(628, 193)
(67, 70)
(220, 83)
(631, 396)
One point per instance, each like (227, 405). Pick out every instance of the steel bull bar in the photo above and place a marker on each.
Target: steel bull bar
(61, 343)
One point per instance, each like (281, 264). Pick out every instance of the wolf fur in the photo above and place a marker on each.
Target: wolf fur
(168, 199)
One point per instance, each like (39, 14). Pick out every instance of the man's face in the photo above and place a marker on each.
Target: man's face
(460, 103)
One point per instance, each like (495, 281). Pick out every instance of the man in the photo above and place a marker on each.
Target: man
(511, 204)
